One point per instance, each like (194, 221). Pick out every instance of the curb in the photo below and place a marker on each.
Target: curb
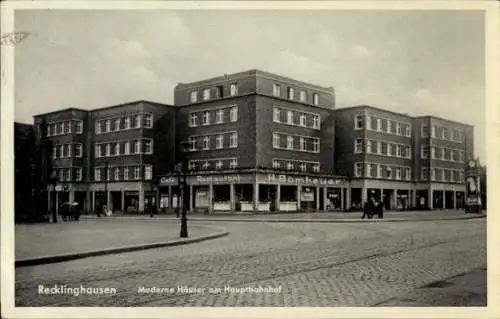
(117, 250)
(295, 220)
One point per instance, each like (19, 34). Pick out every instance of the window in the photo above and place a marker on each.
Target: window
(302, 144)
(116, 149)
(135, 121)
(127, 148)
(289, 117)
(398, 173)
(399, 150)
(78, 174)
(289, 142)
(218, 164)
(233, 163)
(316, 168)
(359, 121)
(148, 172)
(447, 154)
(399, 129)
(425, 130)
(148, 120)
(389, 126)
(137, 147)
(206, 94)
(193, 96)
(49, 130)
(97, 174)
(316, 122)
(219, 142)
(191, 166)
(368, 171)
(433, 152)
(276, 140)
(276, 115)
(289, 166)
(68, 174)
(97, 151)
(79, 127)
(233, 140)
(192, 143)
(358, 148)
(388, 173)
(219, 91)
(315, 99)
(234, 114)
(276, 164)
(434, 131)
(407, 171)
(127, 122)
(424, 151)
(303, 96)
(369, 146)
(358, 169)
(205, 165)
(291, 93)
(117, 174)
(379, 124)
(68, 150)
(206, 142)
(148, 146)
(380, 170)
(193, 120)
(206, 118)
(446, 133)
(303, 167)
(462, 156)
(219, 116)
(303, 118)
(107, 124)
(372, 123)
(78, 150)
(137, 172)
(424, 173)
(125, 174)
(117, 124)
(234, 89)
(66, 127)
(276, 90)
(59, 128)
(108, 149)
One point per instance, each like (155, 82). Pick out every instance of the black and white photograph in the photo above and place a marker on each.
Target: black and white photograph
(233, 155)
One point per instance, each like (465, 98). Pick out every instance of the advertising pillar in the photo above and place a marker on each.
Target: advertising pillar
(472, 188)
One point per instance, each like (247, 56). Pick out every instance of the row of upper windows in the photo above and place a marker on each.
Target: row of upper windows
(141, 146)
(290, 94)
(64, 127)
(375, 170)
(295, 165)
(221, 141)
(219, 93)
(443, 133)
(442, 153)
(379, 124)
(221, 116)
(67, 151)
(122, 123)
(382, 148)
(123, 173)
(296, 118)
(443, 175)
(296, 143)
(214, 163)
(67, 174)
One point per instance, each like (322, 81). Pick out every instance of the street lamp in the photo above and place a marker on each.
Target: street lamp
(181, 170)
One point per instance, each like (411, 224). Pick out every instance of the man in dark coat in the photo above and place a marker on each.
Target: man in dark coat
(380, 209)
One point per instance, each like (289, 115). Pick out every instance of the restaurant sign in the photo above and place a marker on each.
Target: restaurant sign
(202, 179)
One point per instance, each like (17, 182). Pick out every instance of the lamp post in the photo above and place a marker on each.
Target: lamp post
(181, 170)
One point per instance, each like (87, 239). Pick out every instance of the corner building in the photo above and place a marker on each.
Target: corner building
(257, 142)
(407, 162)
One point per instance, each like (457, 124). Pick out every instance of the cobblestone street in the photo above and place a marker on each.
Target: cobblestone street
(310, 264)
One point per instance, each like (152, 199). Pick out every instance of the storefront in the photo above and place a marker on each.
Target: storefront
(256, 192)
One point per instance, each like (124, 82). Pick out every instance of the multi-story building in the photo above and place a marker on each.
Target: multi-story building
(442, 149)
(400, 159)
(258, 141)
(108, 156)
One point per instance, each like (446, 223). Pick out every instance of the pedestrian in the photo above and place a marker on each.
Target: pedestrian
(380, 209)
(366, 210)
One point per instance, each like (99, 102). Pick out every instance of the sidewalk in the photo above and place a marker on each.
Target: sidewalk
(468, 288)
(47, 243)
(320, 216)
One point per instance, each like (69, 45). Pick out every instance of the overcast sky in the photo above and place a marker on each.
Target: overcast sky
(416, 62)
